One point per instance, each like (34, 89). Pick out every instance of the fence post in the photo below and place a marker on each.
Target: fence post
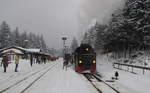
(113, 65)
(127, 68)
(132, 69)
(120, 66)
(143, 71)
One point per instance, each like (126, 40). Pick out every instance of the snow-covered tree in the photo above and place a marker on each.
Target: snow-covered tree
(15, 37)
(100, 37)
(24, 40)
(90, 35)
(129, 27)
(5, 35)
(43, 44)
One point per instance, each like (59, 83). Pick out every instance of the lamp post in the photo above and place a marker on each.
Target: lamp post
(26, 43)
(64, 47)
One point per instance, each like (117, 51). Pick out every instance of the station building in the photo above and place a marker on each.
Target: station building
(24, 53)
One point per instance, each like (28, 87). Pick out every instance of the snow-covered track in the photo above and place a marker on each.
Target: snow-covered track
(37, 79)
(92, 78)
(88, 77)
(96, 76)
(26, 78)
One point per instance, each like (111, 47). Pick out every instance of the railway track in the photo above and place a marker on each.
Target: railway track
(37, 79)
(39, 74)
(97, 83)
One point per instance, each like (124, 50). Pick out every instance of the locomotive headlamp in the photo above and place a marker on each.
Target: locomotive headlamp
(94, 61)
(87, 49)
(80, 61)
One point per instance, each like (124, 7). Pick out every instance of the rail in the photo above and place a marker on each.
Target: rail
(98, 78)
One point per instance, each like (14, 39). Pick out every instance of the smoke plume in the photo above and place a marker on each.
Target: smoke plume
(99, 10)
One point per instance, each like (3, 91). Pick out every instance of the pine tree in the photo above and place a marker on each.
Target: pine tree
(16, 37)
(100, 37)
(5, 35)
(43, 44)
(24, 42)
(90, 35)
(129, 27)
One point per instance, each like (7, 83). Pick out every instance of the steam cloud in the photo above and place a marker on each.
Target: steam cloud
(99, 10)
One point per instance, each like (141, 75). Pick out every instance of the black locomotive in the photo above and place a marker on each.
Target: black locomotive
(84, 59)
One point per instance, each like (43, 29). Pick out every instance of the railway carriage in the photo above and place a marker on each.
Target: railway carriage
(85, 59)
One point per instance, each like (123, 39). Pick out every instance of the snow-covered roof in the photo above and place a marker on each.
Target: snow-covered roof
(20, 50)
(15, 47)
(13, 50)
(33, 50)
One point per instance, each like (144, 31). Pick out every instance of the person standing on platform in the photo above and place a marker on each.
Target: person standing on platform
(16, 62)
(116, 75)
(5, 62)
(31, 60)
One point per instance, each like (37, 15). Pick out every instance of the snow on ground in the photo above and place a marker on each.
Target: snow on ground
(56, 80)
(128, 82)
(24, 70)
(62, 81)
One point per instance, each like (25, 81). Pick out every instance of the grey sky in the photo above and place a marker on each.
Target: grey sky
(53, 18)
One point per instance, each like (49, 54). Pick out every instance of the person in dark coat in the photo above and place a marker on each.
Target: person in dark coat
(116, 74)
(5, 62)
(31, 60)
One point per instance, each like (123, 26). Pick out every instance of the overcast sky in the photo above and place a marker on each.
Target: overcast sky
(54, 18)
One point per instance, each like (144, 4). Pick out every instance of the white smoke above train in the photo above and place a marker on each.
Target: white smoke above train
(99, 10)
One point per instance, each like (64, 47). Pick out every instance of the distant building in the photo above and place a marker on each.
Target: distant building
(23, 52)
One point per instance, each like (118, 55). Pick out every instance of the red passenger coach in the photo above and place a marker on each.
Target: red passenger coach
(85, 59)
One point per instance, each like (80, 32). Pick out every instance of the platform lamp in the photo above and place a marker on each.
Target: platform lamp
(64, 41)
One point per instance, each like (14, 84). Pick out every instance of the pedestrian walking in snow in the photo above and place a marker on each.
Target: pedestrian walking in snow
(65, 63)
(44, 60)
(16, 62)
(116, 75)
(5, 62)
(31, 60)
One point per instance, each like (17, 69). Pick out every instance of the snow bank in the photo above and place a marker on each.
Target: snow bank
(128, 82)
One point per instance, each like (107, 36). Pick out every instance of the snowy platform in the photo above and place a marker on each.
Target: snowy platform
(52, 78)
(55, 79)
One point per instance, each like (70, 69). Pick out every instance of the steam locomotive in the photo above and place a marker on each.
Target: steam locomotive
(84, 59)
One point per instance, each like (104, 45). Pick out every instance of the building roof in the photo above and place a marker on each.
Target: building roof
(12, 50)
(20, 50)
(33, 50)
